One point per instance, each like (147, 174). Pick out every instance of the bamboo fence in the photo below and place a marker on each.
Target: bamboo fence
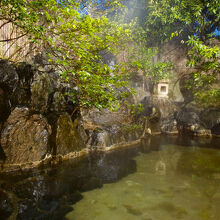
(17, 48)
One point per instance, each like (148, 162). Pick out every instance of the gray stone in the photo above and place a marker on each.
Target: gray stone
(169, 126)
(4, 106)
(210, 118)
(41, 89)
(59, 103)
(6, 207)
(8, 76)
(188, 117)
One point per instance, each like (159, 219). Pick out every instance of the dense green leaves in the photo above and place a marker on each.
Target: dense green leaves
(198, 17)
(141, 58)
(75, 33)
(205, 79)
(73, 41)
(195, 22)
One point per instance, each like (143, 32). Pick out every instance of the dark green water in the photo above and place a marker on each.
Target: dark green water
(165, 178)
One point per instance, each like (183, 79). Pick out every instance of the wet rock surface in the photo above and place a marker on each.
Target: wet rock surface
(6, 207)
(109, 128)
(197, 121)
(8, 76)
(41, 89)
(4, 106)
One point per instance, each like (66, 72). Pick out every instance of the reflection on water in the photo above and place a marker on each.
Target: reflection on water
(160, 180)
(172, 183)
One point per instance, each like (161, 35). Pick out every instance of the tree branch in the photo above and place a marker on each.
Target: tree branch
(11, 39)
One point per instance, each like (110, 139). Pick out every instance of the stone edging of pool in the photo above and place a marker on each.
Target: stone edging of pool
(55, 160)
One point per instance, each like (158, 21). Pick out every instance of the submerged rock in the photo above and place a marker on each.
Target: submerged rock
(132, 210)
(6, 207)
(25, 137)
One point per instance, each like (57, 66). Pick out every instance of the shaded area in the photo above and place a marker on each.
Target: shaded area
(43, 194)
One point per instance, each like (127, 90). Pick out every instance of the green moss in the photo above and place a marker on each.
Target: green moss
(68, 137)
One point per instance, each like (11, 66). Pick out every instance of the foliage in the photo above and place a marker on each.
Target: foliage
(204, 80)
(136, 109)
(194, 22)
(95, 8)
(73, 33)
(141, 58)
(198, 17)
(132, 127)
(73, 41)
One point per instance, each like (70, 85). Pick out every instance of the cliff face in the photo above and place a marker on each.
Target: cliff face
(36, 119)
(178, 112)
(39, 122)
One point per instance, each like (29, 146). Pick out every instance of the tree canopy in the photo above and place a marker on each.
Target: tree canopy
(74, 33)
(196, 23)
(73, 40)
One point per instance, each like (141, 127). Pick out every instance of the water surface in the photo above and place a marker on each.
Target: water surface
(173, 183)
(163, 179)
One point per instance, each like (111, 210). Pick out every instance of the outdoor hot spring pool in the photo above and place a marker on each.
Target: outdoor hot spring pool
(166, 178)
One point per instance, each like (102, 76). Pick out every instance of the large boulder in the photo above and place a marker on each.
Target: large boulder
(8, 84)
(68, 138)
(189, 122)
(211, 119)
(104, 117)
(25, 137)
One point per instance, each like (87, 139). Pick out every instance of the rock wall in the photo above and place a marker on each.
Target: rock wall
(39, 121)
(36, 115)
(177, 113)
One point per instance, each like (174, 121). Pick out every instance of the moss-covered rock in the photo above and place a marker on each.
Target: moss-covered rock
(8, 76)
(68, 138)
(59, 103)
